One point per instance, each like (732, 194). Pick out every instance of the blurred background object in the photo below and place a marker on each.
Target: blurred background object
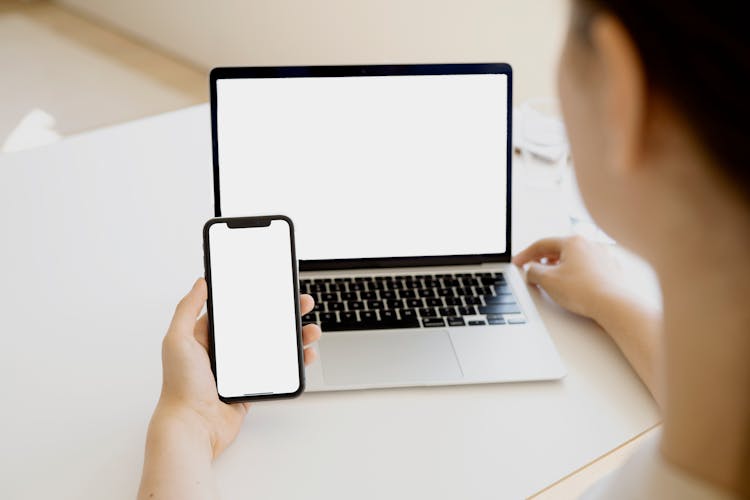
(539, 136)
(539, 130)
(83, 74)
(544, 161)
(89, 63)
(37, 128)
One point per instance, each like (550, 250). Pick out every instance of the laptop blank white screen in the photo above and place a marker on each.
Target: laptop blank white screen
(369, 166)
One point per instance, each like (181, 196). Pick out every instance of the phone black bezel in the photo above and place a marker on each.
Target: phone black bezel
(244, 222)
(377, 70)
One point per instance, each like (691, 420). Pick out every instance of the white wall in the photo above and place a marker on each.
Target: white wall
(525, 33)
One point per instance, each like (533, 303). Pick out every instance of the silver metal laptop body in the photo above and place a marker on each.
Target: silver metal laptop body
(398, 180)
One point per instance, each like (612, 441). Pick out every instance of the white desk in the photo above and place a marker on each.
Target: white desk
(101, 237)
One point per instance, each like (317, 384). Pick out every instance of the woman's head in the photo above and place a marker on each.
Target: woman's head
(653, 94)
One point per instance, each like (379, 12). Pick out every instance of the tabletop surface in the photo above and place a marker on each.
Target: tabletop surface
(102, 236)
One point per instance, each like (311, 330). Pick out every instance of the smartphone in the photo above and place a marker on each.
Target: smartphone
(254, 327)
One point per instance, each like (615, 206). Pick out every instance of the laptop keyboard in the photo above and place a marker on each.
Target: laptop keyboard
(411, 301)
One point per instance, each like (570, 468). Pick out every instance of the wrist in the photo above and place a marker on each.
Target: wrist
(618, 310)
(606, 304)
(171, 425)
(178, 458)
(635, 325)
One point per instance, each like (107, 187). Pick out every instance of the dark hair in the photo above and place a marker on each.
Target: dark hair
(697, 53)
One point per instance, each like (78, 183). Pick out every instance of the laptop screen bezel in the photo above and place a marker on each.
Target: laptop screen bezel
(375, 70)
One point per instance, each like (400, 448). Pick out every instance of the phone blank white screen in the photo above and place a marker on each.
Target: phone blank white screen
(375, 166)
(254, 319)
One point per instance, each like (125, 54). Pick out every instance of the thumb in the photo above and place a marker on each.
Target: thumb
(187, 311)
(538, 274)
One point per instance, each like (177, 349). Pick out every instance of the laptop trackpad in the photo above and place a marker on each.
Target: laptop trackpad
(388, 358)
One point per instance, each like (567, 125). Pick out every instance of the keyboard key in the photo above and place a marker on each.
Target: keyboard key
(331, 326)
(516, 321)
(330, 316)
(322, 280)
(348, 316)
(387, 294)
(427, 312)
(496, 321)
(483, 290)
(454, 301)
(370, 325)
(355, 305)
(335, 306)
(456, 321)
(375, 304)
(502, 290)
(427, 292)
(362, 278)
(463, 275)
(357, 286)
(394, 304)
(473, 301)
(467, 311)
(407, 294)
(477, 322)
(499, 309)
(337, 287)
(376, 285)
(469, 282)
(407, 314)
(368, 316)
(320, 306)
(434, 302)
(310, 317)
(386, 315)
(414, 303)
(447, 311)
(341, 280)
(328, 297)
(368, 295)
(349, 296)
(433, 322)
(499, 299)
(465, 291)
(445, 292)
(451, 282)
(483, 275)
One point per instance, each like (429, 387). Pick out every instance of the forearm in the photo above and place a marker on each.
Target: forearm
(636, 329)
(177, 463)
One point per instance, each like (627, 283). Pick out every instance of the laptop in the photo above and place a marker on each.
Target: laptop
(398, 180)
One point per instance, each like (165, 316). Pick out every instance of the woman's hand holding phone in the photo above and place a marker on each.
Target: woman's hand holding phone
(190, 424)
(188, 383)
